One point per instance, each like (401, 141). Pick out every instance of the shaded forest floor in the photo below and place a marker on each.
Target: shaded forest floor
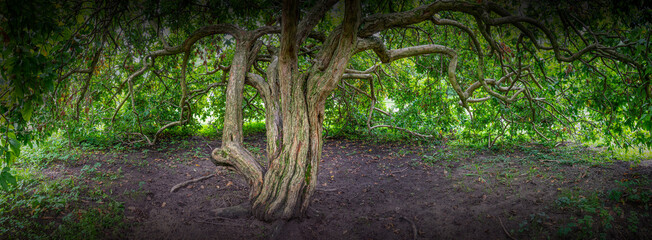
(369, 190)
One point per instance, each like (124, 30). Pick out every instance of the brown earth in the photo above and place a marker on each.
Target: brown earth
(366, 191)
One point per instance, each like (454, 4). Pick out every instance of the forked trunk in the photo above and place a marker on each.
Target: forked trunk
(294, 105)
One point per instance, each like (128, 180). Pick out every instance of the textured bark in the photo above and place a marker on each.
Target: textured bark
(232, 153)
(291, 178)
(294, 105)
(284, 182)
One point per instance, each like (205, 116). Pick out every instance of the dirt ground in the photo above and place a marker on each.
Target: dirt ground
(366, 191)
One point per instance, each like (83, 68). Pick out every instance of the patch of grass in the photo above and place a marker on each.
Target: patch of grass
(58, 206)
(535, 223)
(575, 200)
(41, 208)
(430, 159)
(253, 149)
(479, 171)
(564, 155)
(94, 173)
(533, 172)
(445, 155)
(88, 171)
(54, 149)
(138, 193)
(199, 152)
(632, 154)
(94, 223)
(209, 131)
(506, 176)
(634, 191)
(594, 212)
(252, 128)
(461, 185)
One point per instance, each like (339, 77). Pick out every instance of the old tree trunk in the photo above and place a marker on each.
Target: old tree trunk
(294, 102)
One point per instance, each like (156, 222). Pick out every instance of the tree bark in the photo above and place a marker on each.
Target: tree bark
(232, 152)
(294, 103)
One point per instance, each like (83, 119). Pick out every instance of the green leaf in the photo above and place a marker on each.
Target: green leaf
(9, 157)
(27, 111)
(15, 146)
(80, 19)
(6, 178)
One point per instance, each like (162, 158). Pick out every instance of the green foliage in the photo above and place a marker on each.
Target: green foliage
(588, 102)
(95, 223)
(56, 206)
(596, 211)
(253, 128)
(34, 198)
(53, 149)
(33, 35)
(534, 223)
(446, 155)
(6, 178)
(632, 191)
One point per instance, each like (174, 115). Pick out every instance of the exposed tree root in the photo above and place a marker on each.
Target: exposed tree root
(233, 211)
(317, 212)
(415, 232)
(505, 229)
(186, 183)
(218, 223)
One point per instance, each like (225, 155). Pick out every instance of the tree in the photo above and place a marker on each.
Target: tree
(297, 60)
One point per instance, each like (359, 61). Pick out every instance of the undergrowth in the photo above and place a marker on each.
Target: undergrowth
(593, 212)
(57, 205)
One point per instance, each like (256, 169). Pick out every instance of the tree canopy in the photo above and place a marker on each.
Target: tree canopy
(133, 70)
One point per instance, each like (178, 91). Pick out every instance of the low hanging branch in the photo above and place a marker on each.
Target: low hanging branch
(513, 77)
(183, 105)
(366, 75)
(87, 81)
(185, 47)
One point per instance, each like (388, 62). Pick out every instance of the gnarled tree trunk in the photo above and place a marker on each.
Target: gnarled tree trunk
(294, 103)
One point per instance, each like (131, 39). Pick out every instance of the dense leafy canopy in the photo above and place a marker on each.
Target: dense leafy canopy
(91, 69)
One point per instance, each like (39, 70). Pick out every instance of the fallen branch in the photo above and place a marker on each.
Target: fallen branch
(186, 183)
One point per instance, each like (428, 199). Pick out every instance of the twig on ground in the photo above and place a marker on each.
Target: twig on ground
(218, 224)
(398, 171)
(505, 229)
(327, 189)
(219, 218)
(415, 232)
(186, 183)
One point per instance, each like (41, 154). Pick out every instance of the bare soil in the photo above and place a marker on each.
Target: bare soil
(366, 191)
